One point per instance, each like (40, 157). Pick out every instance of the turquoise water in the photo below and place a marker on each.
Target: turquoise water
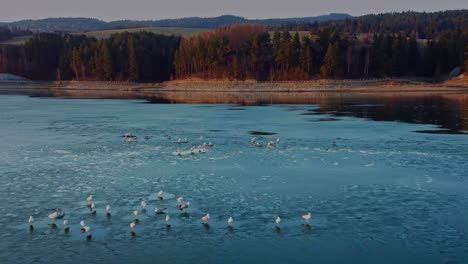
(378, 192)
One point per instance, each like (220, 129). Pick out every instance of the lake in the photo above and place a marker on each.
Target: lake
(385, 178)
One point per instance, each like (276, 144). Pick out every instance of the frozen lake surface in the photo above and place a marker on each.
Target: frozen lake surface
(378, 192)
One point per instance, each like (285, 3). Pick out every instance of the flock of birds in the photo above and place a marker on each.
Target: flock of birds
(181, 205)
(129, 138)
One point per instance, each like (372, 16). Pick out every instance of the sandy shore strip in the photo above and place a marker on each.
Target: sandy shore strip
(197, 85)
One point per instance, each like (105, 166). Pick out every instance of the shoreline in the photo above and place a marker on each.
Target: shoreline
(248, 86)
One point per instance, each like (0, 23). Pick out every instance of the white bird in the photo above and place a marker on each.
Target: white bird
(206, 218)
(168, 220)
(65, 225)
(89, 198)
(30, 221)
(108, 209)
(306, 218)
(53, 216)
(252, 141)
(200, 138)
(135, 213)
(132, 229)
(229, 221)
(160, 195)
(82, 224)
(143, 204)
(92, 207)
(179, 152)
(159, 211)
(180, 200)
(87, 229)
(278, 221)
(277, 140)
(184, 206)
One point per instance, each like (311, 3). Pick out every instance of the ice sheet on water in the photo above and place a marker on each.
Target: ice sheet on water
(388, 184)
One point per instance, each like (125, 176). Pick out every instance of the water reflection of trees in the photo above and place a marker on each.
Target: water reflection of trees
(447, 110)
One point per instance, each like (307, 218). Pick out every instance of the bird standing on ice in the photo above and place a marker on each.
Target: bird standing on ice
(168, 221)
(82, 224)
(306, 217)
(132, 229)
(159, 211)
(89, 199)
(93, 208)
(184, 206)
(135, 213)
(66, 228)
(30, 221)
(108, 210)
(180, 200)
(205, 219)
(278, 222)
(160, 195)
(87, 229)
(52, 217)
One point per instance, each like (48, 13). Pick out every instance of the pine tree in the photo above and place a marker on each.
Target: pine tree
(132, 61)
(261, 55)
(306, 55)
(106, 62)
(285, 51)
(330, 66)
(466, 59)
(295, 50)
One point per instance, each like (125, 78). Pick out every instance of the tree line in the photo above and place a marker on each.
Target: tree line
(126, 56)
(411, 24)
(238, 52)
(252, 52)
(7, 33)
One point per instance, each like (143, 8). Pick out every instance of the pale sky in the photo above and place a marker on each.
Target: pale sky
(11, 10)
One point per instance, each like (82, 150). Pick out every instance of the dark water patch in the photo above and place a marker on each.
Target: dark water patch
(260, 133)
(159, 100)
(441, 131)
(293, 109)
(235, 108)
(310, 113)
(327, 119)
(215, 130)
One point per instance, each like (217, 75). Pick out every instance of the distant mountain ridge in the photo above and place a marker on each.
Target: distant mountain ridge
(75, 24)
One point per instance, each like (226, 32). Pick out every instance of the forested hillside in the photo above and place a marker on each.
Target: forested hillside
(140, 56)
(90, 24)
(412, 24)
(248, 52)
(386, 45)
